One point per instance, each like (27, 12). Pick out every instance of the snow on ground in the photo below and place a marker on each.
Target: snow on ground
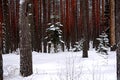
(64, 66)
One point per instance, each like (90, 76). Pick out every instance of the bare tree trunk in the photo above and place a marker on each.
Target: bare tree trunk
(117, 19)
(1, 60)
(25, 38)
(103, 17)
(94, 33)
(85, 27)
(67, 25)
(44, 26)
(112, 24)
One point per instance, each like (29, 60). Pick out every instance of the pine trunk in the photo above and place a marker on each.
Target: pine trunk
(25, 38)
(94, 23)
(85, 27)
(117, 19)
(103, 19)
(67, 26)
(112, 23)
(40, 26)
(1, 60)
(44, 26)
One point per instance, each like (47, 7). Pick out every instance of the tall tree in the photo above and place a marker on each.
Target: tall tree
(34, 28)
(107, 14)
(112, 23)
(40, 26)
(1, 60)
(62, 19)
(44, 26)
(85, 27)
(94, 22)
(117, 26)
(103, 19)
(13, 26)
(16, 21)
(80, 20)
(73, 22)
(26, 18)
(67, 24)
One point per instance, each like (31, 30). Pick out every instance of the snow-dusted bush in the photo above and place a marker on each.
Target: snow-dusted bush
(103, 43)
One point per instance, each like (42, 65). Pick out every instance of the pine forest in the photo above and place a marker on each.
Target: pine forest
(55, 26)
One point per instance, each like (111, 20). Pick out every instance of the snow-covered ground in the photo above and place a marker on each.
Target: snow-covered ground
(64, 66)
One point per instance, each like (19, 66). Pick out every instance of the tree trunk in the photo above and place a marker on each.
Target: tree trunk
(1, 60)
(107, 14)
(117, 19)
(67, 25)
(94, 34)
(103, 17)
(112, 24)
(44, 27)
(25, 38)
(85, 27)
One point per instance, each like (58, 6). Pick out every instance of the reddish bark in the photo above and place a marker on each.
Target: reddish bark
(1, 15)
(36, 12)
(13, 25)
(95, 20)
(67, 25)
(80, 21)
(103, 18)
(70, 16)
(73, 23)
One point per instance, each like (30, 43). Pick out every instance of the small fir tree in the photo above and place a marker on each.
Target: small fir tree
(54, 35)
(103, 43)
(78, 46)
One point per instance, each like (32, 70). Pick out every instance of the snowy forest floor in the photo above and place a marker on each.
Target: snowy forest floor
(63, 66)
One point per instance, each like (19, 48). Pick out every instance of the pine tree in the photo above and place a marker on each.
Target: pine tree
(103, 43)
(78, 46)
(25, 38)
(54, 35)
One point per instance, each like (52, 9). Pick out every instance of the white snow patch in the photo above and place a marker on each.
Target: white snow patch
(64, 66)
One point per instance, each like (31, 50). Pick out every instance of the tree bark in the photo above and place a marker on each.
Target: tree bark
(85, 27)
(1, 60)
(117, 26)
(94, 34)
(112, 23)
(67, 25)
(44, 26)
(25, 38)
